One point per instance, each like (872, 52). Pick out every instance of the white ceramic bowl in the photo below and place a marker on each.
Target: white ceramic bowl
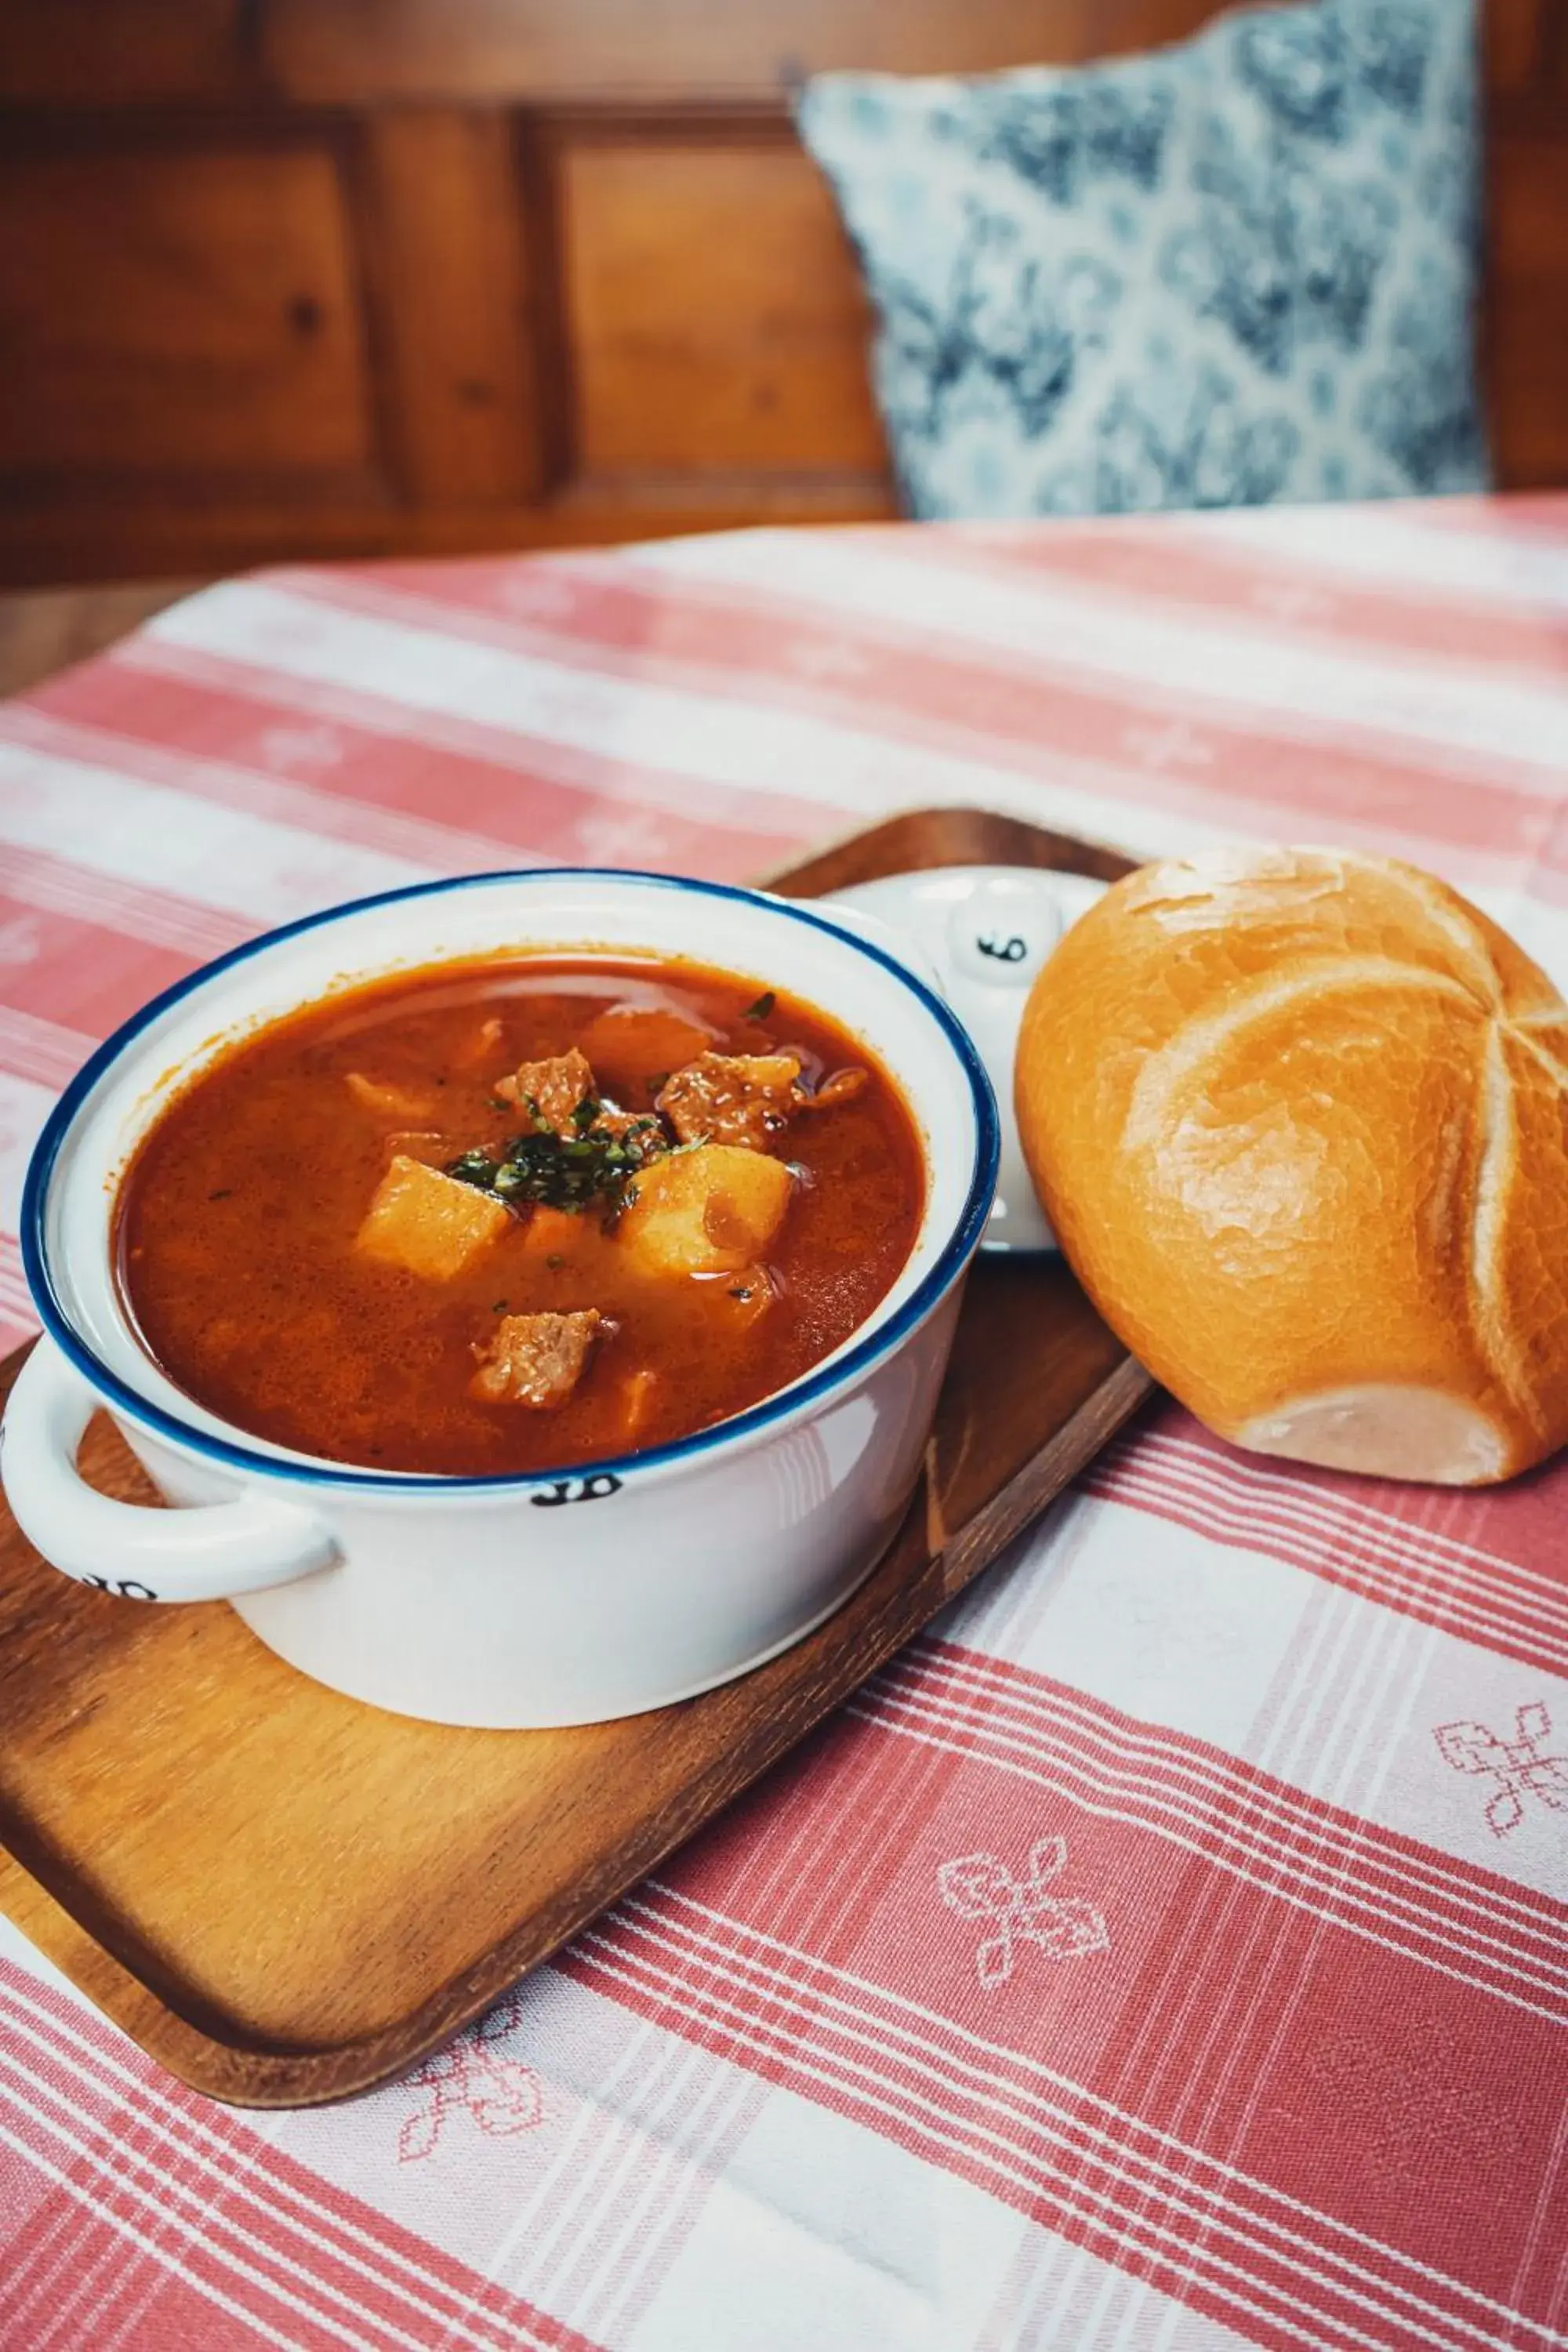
(562, 1597)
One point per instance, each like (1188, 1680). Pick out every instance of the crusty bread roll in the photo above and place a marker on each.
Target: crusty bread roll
(1300, 1120)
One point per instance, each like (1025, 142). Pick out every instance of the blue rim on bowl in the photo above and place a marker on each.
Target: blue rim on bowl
(861, 1355)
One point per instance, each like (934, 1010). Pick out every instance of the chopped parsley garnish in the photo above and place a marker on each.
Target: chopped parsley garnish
(595, 1168)
(762, 1008)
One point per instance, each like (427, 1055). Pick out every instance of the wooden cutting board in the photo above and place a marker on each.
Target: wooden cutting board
(287, 1896)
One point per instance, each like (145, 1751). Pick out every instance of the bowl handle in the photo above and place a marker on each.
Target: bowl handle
(204, 1553)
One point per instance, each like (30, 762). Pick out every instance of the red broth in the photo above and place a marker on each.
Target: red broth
(259, 1231)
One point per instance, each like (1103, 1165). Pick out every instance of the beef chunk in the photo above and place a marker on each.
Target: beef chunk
(738, 1098)
(639, 1130)
(537, 1359)
(551, 1089)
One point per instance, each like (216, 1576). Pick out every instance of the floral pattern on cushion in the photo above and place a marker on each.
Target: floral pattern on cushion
(1237, 270)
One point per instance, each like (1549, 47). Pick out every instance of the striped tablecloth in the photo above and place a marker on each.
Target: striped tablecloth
(1295, 1747)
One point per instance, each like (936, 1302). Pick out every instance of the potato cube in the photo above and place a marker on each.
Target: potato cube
(631, 1042)
(428, 1222)
(710, 1210)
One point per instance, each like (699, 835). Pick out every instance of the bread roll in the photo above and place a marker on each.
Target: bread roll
(1300, 1120)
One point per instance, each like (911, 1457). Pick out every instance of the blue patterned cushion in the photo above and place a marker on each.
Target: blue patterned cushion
(1234, 271)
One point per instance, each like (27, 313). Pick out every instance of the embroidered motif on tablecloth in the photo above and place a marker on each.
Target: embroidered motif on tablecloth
(980, 1886)
(502, 2096)
(1519, 1765)
(305, 746)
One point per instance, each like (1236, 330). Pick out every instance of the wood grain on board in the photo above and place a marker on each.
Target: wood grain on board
(327, 277)
(285, 1895)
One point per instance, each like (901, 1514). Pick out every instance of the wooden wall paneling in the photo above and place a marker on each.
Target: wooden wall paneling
(552, 361)
(1514, 37)
(713, 312)
(543, 52)
(356, 53)
(443, 245)
(179, 309)
(127, 53)
(335, 276)
(1526, 325)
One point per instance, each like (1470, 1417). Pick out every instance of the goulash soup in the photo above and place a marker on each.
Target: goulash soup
(516, 1216)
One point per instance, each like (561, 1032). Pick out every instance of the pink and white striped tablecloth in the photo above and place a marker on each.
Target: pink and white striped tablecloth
(1293, 1748)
